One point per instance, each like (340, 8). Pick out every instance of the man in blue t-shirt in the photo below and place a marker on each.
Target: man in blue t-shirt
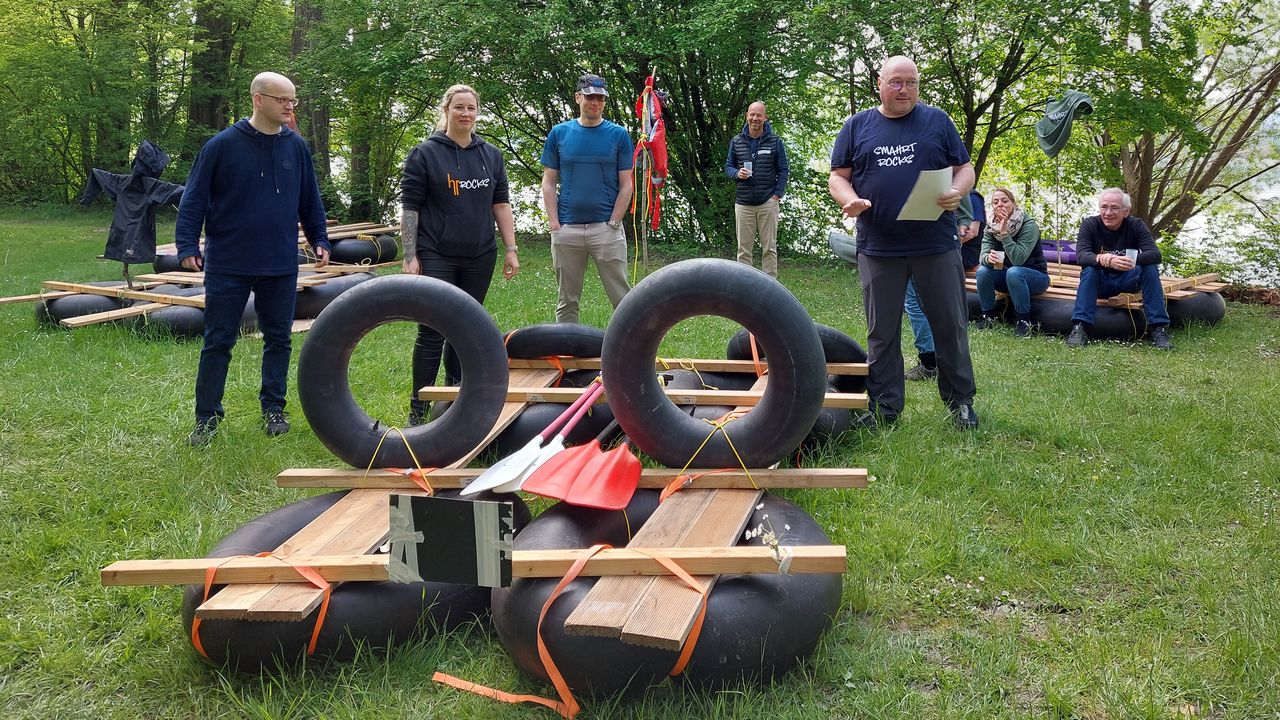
(877, 159)
(590, 158)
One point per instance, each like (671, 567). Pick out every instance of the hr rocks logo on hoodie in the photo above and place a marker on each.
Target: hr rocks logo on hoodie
(459, 185)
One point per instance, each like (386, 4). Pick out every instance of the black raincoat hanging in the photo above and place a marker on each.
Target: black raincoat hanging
(133, 229)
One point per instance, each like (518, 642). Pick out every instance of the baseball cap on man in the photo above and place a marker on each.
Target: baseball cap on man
(592, 85)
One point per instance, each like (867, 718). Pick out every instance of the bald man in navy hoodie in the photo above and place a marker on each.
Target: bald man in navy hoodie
(250, 187)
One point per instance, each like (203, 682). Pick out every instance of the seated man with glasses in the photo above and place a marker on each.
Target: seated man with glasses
(1117, 254)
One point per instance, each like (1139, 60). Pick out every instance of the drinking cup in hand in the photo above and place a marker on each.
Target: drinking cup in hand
(999, 259)
(1132, 255)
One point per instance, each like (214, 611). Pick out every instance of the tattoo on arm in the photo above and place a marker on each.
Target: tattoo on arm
(409, 232)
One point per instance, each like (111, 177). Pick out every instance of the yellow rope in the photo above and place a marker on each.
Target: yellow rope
(719, 425)
(412, 454)
(687, 364)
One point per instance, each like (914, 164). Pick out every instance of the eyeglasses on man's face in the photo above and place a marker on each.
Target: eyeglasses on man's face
(899, 84)
(283, 101)
(1111, 208)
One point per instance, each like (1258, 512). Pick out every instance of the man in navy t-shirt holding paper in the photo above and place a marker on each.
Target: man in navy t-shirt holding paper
(591, 159)
(878, 156)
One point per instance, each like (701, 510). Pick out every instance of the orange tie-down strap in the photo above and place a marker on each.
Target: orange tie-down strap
(567, 706)
(682, 481)
(311, 575)
(419, 476)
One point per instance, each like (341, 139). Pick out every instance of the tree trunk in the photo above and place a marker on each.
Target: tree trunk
(313, 121)
(208, 109)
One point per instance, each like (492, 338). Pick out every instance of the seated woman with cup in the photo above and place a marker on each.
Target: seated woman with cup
(1011, 261)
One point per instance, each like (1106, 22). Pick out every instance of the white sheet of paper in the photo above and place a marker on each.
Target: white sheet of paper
(922, 204)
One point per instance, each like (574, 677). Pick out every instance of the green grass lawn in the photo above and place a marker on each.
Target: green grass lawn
(1101, 548)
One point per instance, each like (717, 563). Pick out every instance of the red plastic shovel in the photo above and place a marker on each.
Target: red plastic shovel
(608, 481)
(556, 474)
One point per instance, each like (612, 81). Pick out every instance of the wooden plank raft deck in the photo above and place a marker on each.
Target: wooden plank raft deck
(1064, 278)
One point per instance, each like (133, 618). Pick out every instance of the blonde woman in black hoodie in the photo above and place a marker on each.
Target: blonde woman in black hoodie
(452, 192)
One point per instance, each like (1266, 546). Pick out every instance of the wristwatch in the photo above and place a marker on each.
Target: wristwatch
(615, 224)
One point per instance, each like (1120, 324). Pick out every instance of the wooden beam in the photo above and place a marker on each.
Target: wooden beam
(35, 298)
(679, 397)
(314, 280)
(109, 315)
(116, 292)
(754, 560)
(650, 478)
(737, 366)
(358, 528)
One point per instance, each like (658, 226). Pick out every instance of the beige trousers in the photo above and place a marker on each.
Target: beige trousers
(762, 219)
(571, 245)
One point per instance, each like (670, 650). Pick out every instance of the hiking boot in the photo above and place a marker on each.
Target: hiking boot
(419, 410)
(1077, 338)
(926, 369)
(920, 372)
(964, 417)
(276, 424)
(203, 433)
(1160, 338)
(1022, 329)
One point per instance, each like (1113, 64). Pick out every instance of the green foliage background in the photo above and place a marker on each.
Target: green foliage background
(1184, 96)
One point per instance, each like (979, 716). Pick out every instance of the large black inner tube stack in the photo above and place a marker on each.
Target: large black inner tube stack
(757, 627)
(797, 370)
(324, 387)
(378, 615)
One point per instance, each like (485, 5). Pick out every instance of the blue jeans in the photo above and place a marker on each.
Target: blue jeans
(1096, 282)
(1020, 282)
(919, 324)
(225, 297)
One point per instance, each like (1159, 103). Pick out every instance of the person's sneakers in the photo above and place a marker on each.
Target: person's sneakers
(204, 432)
(985, 321)
(1022, 329)
(964, 417)
(276, 423)
(419, 410)
(926, 369)
(871, 421)
(920, 372)
(1160, 338)
(1077, 338)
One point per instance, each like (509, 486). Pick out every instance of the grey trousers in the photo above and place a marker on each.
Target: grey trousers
(571, 246)
(940, 287)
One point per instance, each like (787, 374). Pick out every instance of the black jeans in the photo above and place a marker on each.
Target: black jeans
(470, 274)
(224, 299)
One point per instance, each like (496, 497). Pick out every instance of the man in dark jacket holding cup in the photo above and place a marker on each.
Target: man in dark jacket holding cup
(758, 162)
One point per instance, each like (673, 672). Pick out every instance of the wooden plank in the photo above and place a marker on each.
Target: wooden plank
(745, 398)
(650, 478)
(177, 278)
(35, 298)
(666, 612)
(108, 316)
(739, 366)
(314, 280)
(344, 268)
(755, 560)
(117, 292)
(350, 528)
(605, 608)
(353, 515)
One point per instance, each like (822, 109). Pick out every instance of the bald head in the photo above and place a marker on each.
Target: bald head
(899, 85)
(269, 82)
(274, 99)
(756, 116)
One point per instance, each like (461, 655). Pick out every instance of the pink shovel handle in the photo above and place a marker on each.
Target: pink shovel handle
(591, 394)
(550, 429)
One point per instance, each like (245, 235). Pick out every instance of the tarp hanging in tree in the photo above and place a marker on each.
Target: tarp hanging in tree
(651, 152)
(133, 228)
(1054, 129)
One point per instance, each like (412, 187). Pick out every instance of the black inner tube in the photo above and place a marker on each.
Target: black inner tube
(797, 373)
(324, 388)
